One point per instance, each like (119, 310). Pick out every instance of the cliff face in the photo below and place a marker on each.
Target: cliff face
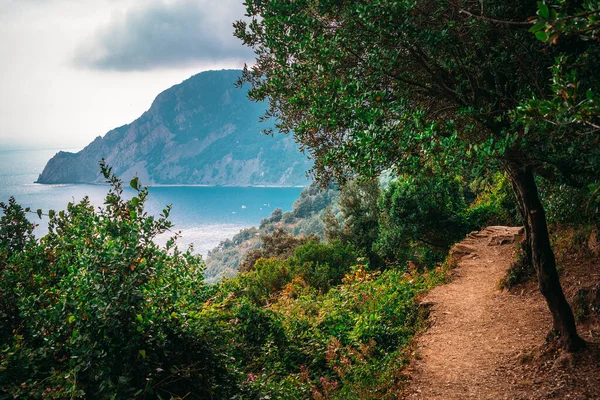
(202, 131)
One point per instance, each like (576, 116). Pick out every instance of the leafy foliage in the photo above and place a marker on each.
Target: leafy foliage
(357, 222)
(16, 235)
(437, 86)
(278, 244)
(242, 251)
(101, 308)
(347, 342)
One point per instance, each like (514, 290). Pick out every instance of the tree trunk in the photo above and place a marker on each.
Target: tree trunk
(542, 255)
(526, 242)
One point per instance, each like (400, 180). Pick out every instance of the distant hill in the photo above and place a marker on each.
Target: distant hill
(202, 131)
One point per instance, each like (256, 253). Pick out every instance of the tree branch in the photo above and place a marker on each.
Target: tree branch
(497, 21)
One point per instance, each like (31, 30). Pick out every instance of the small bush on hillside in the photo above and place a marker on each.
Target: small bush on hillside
(16, 236)
(566, 205)
(278, 244)
(357, 222)
(494, 205)
(276, 215)
(322, 265)
(313, 199)
(288, 217)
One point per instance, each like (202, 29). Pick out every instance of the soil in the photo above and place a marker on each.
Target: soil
(484, 343)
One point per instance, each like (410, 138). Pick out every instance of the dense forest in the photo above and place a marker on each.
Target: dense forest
(483, 113)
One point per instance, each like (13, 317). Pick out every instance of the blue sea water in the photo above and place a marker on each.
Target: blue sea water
(204, 215)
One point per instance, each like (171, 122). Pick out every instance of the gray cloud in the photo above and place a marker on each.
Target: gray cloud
(167, 34)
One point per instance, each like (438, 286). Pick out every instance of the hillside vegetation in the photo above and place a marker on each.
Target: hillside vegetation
(492, 87)
(95, 309)
(305, 219)
(485, 112)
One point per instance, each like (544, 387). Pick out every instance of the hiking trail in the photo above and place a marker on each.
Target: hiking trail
(478, 331)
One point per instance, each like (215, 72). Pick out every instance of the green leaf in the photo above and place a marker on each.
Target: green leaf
(537, 27)
(589, 94)
(39, 213)
(541, 35)
(143, 353)
(71, 319)
(135, 201)
(544, 12)
(139, 318)
(135, 183)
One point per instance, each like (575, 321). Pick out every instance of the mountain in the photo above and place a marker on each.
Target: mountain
(203, 131)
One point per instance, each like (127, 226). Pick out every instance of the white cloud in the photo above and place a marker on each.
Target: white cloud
(47, 101)
(165, 34)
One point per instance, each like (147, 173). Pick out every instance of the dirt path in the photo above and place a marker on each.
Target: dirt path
(476, 329)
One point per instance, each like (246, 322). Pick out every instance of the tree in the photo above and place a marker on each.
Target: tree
(572, 107)
(366, 86)
(16, 234)
(359, 223)
(426, 213)
(276, 215)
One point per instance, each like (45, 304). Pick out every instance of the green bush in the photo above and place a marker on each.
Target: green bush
(348, 343)
(268, 277)
(313, 199)
(565, 204)
(494, 204)
(358, 220)
(322, 265)
(276, 215)
(277, 244)
(420, 218)
(16, 236)
(288, 217)
(103, 308)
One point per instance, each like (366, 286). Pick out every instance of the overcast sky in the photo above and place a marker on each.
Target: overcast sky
(71, 70)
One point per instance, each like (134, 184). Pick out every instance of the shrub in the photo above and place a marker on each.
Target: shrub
(250, 259)
(288, 217)
(494, 204)
(16, 236)
(322, 265)
(276, 215)
(313, 199)
(269, 276)
(278, 244)
(103, 308)
(358, 221)
(421, 217)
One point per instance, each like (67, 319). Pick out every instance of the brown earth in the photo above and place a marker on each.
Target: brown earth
(484, 343)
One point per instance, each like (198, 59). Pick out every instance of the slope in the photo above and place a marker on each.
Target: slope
(482, 339)
(202, 131)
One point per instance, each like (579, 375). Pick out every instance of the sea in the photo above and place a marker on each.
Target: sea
(204, 215)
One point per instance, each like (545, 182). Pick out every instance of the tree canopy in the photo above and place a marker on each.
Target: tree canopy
(368, 86)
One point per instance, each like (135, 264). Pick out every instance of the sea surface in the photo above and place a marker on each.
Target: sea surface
(204, 215)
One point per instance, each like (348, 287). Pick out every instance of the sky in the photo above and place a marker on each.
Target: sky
(71, 70)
